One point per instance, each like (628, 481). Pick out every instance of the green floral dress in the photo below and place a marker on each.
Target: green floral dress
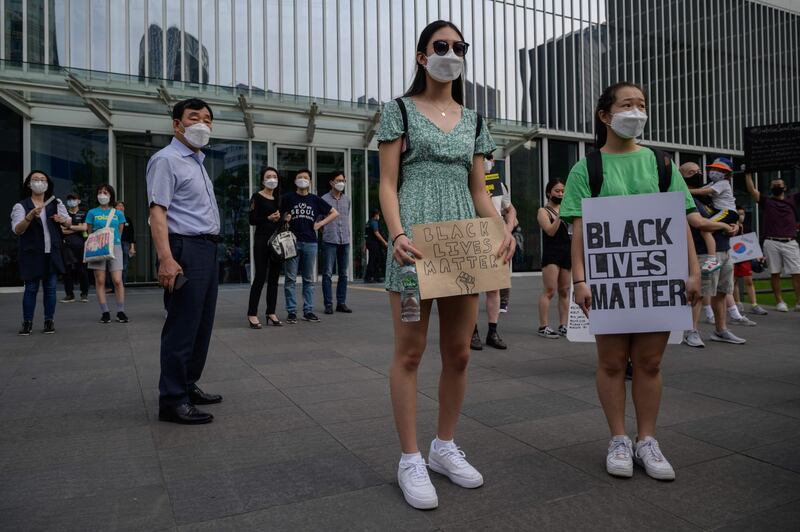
(434, 172)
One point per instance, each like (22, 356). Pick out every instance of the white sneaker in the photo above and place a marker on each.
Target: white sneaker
(727, 336)
(782, 307)
(648, 455)
(709, 318)
(710, 266)
(693, 339)
(416, 485)
(619, 461)
(740, 307)
(742, 320)
(448, 460)
(758, 310)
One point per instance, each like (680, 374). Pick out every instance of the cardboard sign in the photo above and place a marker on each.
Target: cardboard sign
(460, 257)
(636, 263)
(745, 247)
(494, 184)
(772, 147)
(578, 325)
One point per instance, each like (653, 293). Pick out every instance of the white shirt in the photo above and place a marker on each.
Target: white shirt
(502, 202)
(722, 198)
(18, 215)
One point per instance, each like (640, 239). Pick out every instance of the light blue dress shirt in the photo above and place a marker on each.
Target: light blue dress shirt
(178, 181)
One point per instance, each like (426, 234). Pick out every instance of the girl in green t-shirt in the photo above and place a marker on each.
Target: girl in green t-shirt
(628, 169)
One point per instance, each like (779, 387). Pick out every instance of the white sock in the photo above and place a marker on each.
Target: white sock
(411, 458)
(733, 311)
(708, 311)
(438, 444)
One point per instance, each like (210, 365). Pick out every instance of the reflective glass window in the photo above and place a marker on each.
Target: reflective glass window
(526, 192)
(257, 38)
(13, 30)
(155, 39)
(174, 47)
(562, 156)
(58, 33)
(99, 35)
(11, 177)
(35, 21)
(119, 56)
(224, 21)
(78, 34)
(192, 53)
(227, 166)
(136, 40)
(241, 50)
(358, 194)
(208, 44)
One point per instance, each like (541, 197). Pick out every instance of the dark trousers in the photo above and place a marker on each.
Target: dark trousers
(190, 319)
(76, 270)
(267, 270)
(338, 255)
(375, 262)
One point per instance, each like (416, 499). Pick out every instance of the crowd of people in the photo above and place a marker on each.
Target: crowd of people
(435, 160)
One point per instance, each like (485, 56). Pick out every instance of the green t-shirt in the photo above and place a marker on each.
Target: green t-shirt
(624, 174)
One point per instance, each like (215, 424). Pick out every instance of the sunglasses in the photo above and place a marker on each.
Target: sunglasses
(442, 47)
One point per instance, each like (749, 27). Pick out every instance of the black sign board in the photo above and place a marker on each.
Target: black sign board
(773, 147)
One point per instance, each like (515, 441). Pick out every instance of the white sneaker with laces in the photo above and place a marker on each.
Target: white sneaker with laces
(758, 310)
(416, 484)
(619, 461)
(648, 455)
(692, 338)
(742, 320)
(448, 460)
(710, 266)
(782, 307)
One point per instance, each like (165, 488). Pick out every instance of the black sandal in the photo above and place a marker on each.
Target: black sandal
(256, 325)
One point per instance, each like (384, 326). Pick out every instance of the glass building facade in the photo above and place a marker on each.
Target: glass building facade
(86, 85)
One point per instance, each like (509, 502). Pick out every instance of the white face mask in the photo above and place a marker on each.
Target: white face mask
(197, 135)
(487, 165)
(103, 199)
(716, 175)
(72, 203)
(302, 183)
(39, 187)
(629, 124)
(444, 68)
(271, 184)
(339, 186)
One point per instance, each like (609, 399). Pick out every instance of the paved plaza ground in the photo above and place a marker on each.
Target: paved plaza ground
(304, 439)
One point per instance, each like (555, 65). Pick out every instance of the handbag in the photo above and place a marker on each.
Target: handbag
(100, 244)
(283, 243)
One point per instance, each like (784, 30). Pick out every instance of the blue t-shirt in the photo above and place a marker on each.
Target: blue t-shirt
(96, 219)
(305, 211)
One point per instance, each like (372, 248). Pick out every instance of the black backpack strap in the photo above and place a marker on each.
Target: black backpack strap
(664, 164)
(594, 165)
(479, 125)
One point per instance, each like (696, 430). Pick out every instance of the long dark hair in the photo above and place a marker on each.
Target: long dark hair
(26, 185)
(420, 82)
(604, 103)
(276, 192)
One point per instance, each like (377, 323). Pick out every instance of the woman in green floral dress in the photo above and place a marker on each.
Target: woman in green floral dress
(440, 166)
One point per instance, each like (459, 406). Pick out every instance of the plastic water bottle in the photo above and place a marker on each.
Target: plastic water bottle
(409, 297)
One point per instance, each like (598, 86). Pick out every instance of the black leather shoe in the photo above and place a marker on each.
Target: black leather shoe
(343, 308)
(328, 310)
(476, 341)
(185, 414)
(493, 339)
(199, 397)
(49, 327)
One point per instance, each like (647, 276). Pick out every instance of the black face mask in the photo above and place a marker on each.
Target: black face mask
(695, 181)
(777, 191)
(556, 200)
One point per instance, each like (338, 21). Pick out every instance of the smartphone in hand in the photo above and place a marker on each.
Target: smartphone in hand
(180, 280)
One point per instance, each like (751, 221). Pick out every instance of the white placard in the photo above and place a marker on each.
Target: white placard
(745, 247)
(578, 325)
(636, 263)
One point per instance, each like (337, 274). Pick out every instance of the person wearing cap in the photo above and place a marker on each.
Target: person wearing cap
(720, 192)
(779, 232)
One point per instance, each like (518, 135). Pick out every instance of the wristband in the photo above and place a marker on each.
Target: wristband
(578, 282)
(398, 236)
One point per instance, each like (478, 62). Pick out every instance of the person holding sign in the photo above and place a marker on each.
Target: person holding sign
(38, 220)
(435, 147)
(556, 261)
(627, 169)
(744, 270)
(780, 236)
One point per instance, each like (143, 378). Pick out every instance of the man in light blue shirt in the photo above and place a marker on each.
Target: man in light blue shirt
(184, 222)
(336, 245)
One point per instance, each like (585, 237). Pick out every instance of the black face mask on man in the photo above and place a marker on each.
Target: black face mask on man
(695, 181)
(777, 191)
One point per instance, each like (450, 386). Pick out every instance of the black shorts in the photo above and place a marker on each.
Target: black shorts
(560, 257)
